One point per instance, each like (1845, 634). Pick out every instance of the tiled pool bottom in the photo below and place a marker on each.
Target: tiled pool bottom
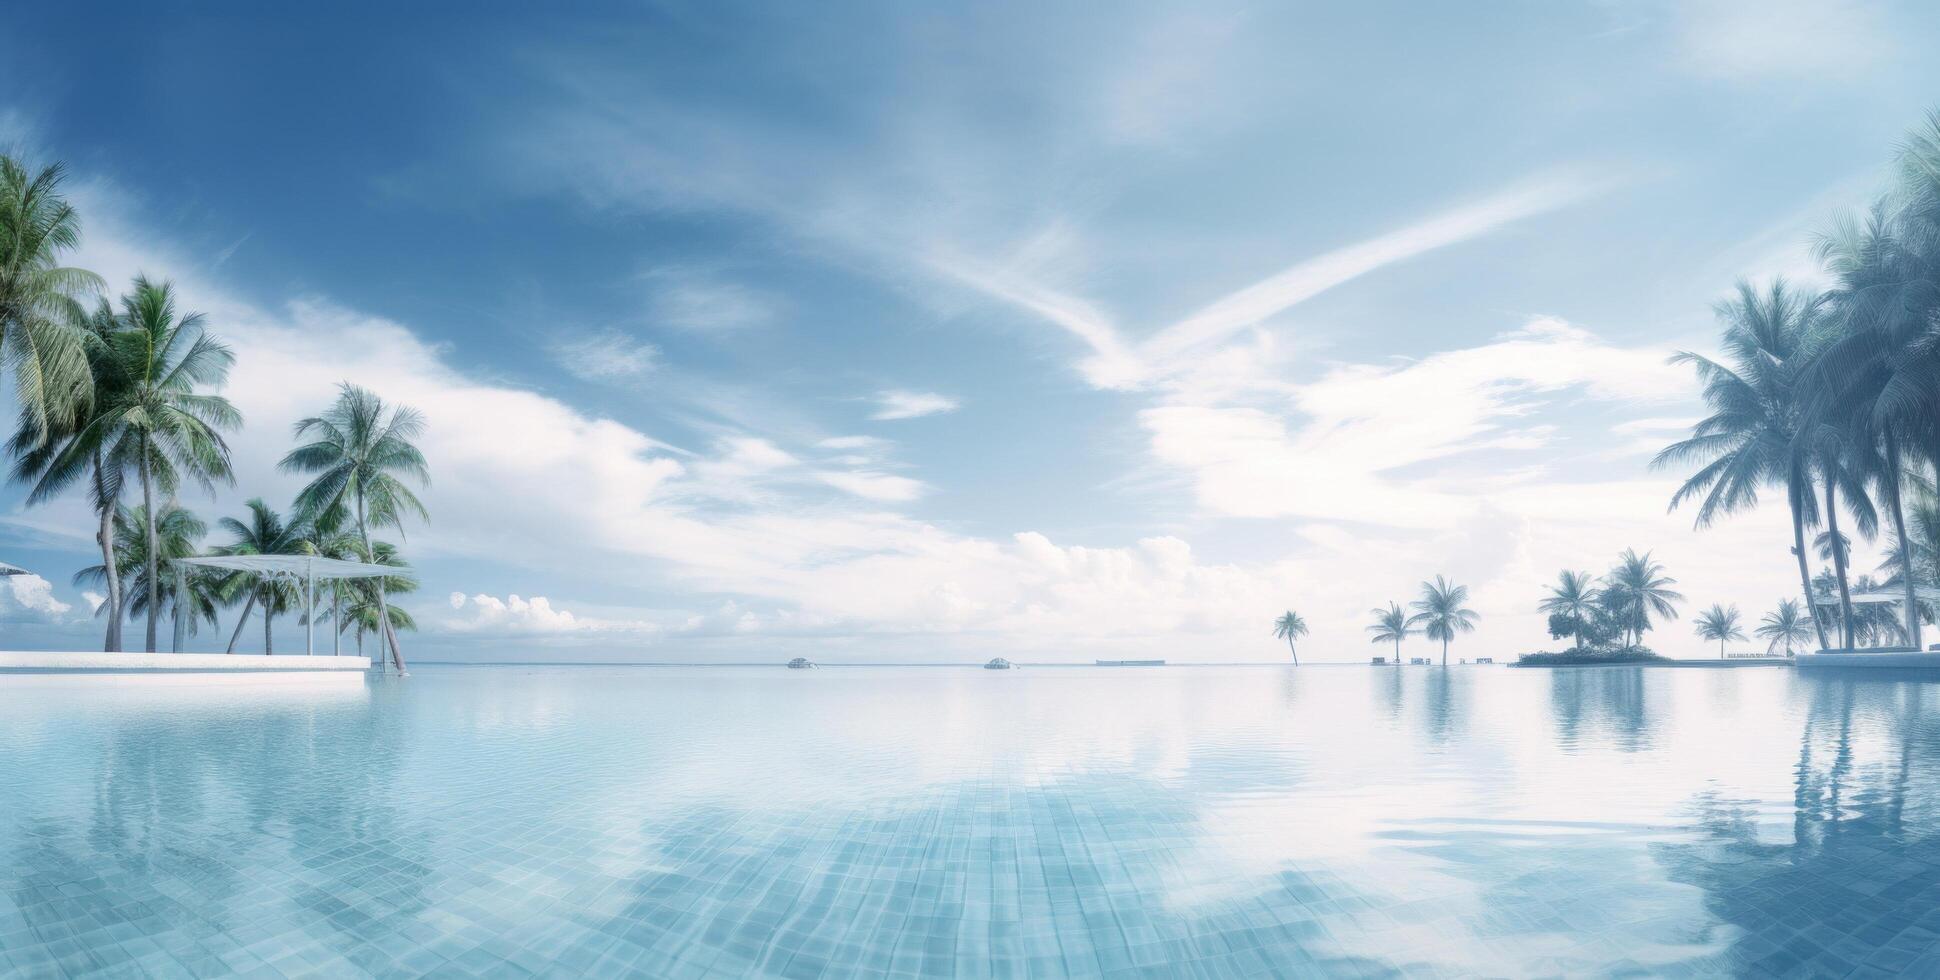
(1211, 822)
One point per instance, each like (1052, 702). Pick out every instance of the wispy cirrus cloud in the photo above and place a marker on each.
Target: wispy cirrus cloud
(606, 356)
(894, 405)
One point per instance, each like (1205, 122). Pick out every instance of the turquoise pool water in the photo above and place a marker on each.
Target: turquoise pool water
(674, 822)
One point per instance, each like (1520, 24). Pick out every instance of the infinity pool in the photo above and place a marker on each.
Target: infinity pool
(929, 821)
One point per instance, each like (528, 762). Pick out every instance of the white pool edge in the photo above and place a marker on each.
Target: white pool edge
(98, 661)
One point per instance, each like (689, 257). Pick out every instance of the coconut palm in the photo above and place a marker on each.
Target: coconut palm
(264, 532)
(1637, 588)
(1390, 625)
(362, 454)
(174, 430)
(1841, 462)
(1573, 597)
(1288, 627)
(1783, 626)
(362, 610)
(1720, 624)
(39, 297)
(1441, 614)
(178, 533)
(1750, 439)
(93, 444)
(327, 536)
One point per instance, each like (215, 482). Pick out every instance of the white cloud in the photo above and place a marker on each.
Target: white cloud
(30, 597)
(606, 356)
(695, 300)
(911, 405)
(94, 601)
(514, 614)
(1805, 40)
(868, 485)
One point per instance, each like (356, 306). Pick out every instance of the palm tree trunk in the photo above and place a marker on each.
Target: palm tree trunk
(1838, 562)
(269, 617)
(1444, 652)
(1899, 531)
(384, 630)
(336, 632)
(1397, 651)
(241, 622)
(1292, 652)
(1805, 575)
(106, 536)
(154, 564)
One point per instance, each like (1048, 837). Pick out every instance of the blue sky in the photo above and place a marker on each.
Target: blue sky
(905, 332)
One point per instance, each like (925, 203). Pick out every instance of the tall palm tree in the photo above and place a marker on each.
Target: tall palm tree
(174, 428)
(1842, 462)
(1573, 596)
(1750, 439)
(326, 536)
(94, 444)
(1783, 626)
(1720, 624)
(1390, 625)
(1639, 588)
(1288, 627)
(39, 297)
(265, 532)
(362, 454)
(178, 533)
(1441, 614)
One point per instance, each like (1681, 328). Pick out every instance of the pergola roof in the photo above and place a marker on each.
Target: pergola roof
(1877, 597)
(302, 566)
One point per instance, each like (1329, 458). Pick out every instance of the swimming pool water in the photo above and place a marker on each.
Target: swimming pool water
(1246, 821)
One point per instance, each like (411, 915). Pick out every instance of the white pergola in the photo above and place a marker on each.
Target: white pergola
(305, 569)
(1881, 597)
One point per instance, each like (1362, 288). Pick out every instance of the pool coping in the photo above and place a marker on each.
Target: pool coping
(62, 661)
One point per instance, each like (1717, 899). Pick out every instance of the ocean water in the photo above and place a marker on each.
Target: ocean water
(1246, 821)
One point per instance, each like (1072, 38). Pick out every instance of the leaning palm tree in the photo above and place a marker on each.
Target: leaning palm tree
(1390, 625)
(1638, 587)
(174, 428)
(1440, 612)
(362, 455)
(1783, 626)
(1720, 624)
(93, 444)
(326, 536)
(1288, 627)
(39, 297)
(1573, 597)
(1750, 439)
(362, 612)
(265, 532)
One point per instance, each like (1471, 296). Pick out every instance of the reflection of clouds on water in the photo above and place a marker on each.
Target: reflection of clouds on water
(1362, 820)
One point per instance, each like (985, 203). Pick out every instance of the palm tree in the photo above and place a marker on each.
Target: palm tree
(1638, 587)
(1573, 597)
(326, 536)
(174, 428)
(361, 615)
(178, 532)
(1390, 624)
(1842, 462)
(38, 297)
(1750, 439)
(1287, 627)
(94, 443)
(1783, 627)
(264, 533)
(1720, 624)
(1440, 612)
(361, 455)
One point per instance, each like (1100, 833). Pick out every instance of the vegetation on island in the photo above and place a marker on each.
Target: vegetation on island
(118, 399)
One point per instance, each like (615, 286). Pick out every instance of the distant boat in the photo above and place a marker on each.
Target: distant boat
(800, 663)
(997, 663)
(1130, 663)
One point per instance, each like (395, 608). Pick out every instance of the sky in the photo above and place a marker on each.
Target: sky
(919, 332)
